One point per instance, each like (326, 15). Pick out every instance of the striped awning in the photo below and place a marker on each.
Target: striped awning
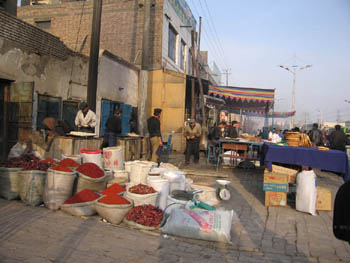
(242, 94)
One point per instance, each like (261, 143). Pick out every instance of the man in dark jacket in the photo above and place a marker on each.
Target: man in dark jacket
(337, 139)
(232, 130)
(153, 125)
(113, 129)
(315, 135)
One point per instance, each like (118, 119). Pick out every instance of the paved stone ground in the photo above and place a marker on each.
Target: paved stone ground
(274, 234)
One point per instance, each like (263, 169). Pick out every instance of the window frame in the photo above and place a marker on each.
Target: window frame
(172, 44)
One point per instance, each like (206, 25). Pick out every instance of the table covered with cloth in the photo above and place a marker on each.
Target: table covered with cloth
(332, 160)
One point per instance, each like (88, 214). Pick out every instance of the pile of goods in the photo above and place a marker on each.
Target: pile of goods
(67, 162)
(62, 169)
(49, 161)
(114, 189)
(292, 138)
(114, 200)
(142, 189)
(27, 162)
(83, 196)
(146, 215)
(91, 170)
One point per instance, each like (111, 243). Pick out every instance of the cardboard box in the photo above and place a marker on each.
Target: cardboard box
(292, 174)
(324, 199)
(275, 182)
(275, 198)
(273, 187)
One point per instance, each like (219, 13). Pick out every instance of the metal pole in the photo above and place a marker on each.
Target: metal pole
(293, 99)
(94, 53)
(193, 99)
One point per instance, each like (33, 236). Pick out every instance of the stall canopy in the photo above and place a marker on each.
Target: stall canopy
(249, 100)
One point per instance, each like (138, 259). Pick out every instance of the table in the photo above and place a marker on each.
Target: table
(131, 146)
(332, 160)
(247, 147)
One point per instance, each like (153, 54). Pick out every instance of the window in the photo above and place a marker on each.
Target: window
(48, 106)
(182, 54)
(43, 24)
(172, 43)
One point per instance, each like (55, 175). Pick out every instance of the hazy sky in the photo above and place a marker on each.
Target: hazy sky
(252, 37)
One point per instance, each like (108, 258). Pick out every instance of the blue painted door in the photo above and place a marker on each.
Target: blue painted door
(105, 111)
(126, 117)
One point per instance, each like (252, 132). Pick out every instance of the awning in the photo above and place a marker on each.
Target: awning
(245, 99)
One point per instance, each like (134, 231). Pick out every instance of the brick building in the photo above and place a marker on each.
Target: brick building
(154, 35)
(124, 25)
(41, 77)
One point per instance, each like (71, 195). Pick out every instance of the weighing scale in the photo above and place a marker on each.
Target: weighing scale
(222, 192)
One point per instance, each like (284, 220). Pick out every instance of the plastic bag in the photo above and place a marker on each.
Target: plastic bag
(306, 192)
(17, 150)
(201, 224)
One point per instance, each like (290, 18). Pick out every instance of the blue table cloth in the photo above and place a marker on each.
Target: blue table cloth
(332, 160)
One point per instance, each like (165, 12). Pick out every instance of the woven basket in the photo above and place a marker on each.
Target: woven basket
(293, 138)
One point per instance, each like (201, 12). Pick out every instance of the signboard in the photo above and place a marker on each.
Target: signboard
(184, 12)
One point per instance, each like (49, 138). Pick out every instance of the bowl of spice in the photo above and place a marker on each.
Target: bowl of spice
(91, 177)
(145, 217)
(82, 203)
(113, 208)
(142, 194)
(114, 189)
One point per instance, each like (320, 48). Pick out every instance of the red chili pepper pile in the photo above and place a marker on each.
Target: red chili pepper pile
(83, 196)
(114, 200)
(91, 170)
(146, 215)
(62, 169)
(19, 162)
(35, 165)
(67, 162)
(142, 189)
(113, 189)
(49, 160)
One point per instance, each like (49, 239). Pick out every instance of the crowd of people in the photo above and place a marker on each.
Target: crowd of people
(336, 139)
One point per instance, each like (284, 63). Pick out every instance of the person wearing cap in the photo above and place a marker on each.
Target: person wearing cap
(153, 125)
(85, 119)
(192, 134)
(113, 129)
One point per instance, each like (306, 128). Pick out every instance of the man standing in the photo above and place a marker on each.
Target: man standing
(85, 119)
(316, 135)
(337, 139)
(192, 134)
(113, 128)
(153, 125)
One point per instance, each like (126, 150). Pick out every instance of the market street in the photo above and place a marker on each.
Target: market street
(274, 234)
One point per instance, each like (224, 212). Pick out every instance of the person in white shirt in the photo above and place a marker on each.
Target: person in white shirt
(85, 119)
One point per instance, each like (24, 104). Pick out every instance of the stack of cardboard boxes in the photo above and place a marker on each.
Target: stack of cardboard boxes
(281, 180)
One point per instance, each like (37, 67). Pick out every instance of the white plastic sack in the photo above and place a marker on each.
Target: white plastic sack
(162, 186)
(176, 179)
(201, 224)
(306, 192)
(17, 150)
(229, 160)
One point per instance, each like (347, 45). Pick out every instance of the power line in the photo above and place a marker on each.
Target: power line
(211, 43)
(216, 33)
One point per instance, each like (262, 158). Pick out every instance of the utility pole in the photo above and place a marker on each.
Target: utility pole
(94, 53)
(227, 72)
(193, 103)
(338, 116)
(294, 69)
(199, 74)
